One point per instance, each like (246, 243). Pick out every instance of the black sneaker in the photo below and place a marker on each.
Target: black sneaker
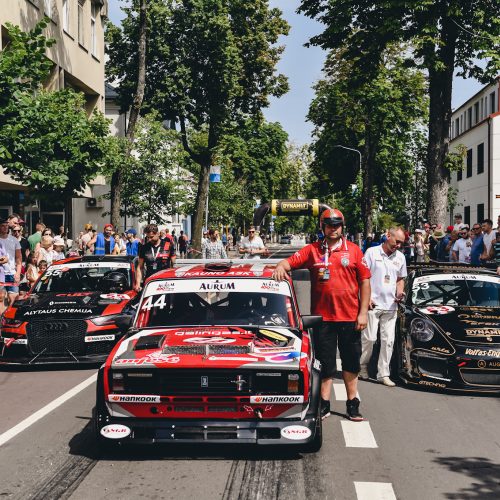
(325, 409)
(353, 414)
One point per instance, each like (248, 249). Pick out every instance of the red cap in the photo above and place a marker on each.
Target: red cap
(449, 229)
(108, 225)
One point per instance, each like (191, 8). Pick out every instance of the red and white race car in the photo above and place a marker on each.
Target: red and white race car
(218, 353)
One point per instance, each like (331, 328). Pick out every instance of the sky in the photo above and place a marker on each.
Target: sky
(303, 67)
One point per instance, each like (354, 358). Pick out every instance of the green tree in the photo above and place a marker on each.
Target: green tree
(446, 35)
(380, 118)
(211, 64)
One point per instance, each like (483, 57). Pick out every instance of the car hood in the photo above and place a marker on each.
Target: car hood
(469, 324)
(211, 347)
(75, 305)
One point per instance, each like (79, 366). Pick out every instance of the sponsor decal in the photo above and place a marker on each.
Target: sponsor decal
(217, 286)
(274, 335)
(482, 332)
(210, 340)
(478, 315)
(89, 265)
(481, 363)
(295, 432)
(440, 349)
(271, 286)
(165, 286)
(99, 338)
(115, 431)
(40, 312)
(494, 364)
(204, 381)
(345, 262)
(12, 340)
(432, 384)
(437, 310)
(115, 296)
(74, 294)
(457, 276)
(282, 357)
(133, 398)
(317, 364)
(153, 358)
(187, 333)
(52, 303)
(363, 261)
(279, 400)
(483, 353)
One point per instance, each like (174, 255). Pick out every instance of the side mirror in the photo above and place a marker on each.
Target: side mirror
(310, 321)
(124, 322)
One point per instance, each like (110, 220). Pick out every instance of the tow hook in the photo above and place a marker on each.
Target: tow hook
(258, 413)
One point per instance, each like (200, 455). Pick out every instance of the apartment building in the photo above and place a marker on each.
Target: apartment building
(476, 125)
(78, 57)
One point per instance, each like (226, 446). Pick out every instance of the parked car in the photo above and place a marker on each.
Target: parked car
(286, 239)
(216, 354)
(448, 333)
(75, 313)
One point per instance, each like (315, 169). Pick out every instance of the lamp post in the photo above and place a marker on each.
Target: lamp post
(350, 149)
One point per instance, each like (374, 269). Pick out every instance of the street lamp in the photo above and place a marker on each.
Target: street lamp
(350, 149)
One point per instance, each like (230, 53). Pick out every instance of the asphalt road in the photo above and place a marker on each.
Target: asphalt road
(414, 445)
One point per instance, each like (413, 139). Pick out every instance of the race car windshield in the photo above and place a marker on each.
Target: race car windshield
(81, 277)
(221, 302)
(456, 290)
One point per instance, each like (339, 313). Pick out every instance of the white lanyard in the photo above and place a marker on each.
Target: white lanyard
(157, 251)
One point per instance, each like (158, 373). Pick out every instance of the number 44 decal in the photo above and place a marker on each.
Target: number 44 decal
(160, 302)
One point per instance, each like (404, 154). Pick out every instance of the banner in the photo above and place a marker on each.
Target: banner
(295, 207)
(215, 173)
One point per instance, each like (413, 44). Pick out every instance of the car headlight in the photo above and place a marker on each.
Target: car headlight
(421, 330)
(10, 322)
(106, 320)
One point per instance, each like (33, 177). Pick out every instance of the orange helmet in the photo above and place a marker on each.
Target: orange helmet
(331, 217)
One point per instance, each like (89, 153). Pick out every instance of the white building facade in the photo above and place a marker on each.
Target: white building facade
(476, 125)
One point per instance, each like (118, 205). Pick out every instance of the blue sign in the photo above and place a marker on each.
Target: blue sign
(214, 173)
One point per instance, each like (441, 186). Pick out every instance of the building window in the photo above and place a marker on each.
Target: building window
(469, 163)
(467, 216)
(480, 158)
(47, 7)
(480, 213)
(476, 113)
(457, 127)
(469, 118)
(66, 15)
(493, 104)
(459, 175)
(94, 13)
(81, 38)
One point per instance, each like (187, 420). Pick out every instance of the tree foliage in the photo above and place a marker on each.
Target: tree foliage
(445, 36)
(381, 118)
(211, 63)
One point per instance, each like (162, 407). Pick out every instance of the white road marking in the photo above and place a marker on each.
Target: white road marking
(374, 491)
(358, 434)
(339, 364)
(340, 392)
(27, 422)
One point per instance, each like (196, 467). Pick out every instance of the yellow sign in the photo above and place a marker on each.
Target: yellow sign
(295, 207)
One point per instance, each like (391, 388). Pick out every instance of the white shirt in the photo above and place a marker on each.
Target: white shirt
(10, 245)
(385, 270)
(488, 239)
(463, 247)
(255, 244)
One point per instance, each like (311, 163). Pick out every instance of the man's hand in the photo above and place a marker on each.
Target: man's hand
(17, 278)
(400, 297)
(280, 273)
(137, 287)
(361, 322)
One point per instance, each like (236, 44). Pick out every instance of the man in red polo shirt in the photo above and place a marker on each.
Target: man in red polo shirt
(340, 292)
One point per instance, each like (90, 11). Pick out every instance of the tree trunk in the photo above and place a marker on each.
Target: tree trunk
(440, 90)
(368, 178)
(117, 177)
(201, 200)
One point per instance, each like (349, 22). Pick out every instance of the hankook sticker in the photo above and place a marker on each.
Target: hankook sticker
(279, 400)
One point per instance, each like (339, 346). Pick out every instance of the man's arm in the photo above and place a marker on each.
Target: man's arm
(281, 271)
(19, 263)
(454, 256)
(91, 242)
(364, 301)
(138, 274)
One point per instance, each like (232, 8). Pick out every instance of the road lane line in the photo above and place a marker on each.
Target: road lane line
(339, 364)
(358, 434)
(340, 392)
(27, 422)
(374, 491)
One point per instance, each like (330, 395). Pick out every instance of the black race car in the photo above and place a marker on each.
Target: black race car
(76, 312)
(448, 331)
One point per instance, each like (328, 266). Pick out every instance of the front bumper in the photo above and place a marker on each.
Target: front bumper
(260, 432)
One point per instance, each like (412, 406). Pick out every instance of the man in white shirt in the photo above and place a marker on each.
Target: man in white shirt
(252, 246)
(388, 270)
(462, 247)
(489, 237)
(12, 268)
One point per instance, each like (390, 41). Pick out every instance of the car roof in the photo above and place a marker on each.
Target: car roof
(239, 268)
(99, 258)
(445, 268)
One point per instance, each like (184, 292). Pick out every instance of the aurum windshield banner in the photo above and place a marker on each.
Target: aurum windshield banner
(295, 207)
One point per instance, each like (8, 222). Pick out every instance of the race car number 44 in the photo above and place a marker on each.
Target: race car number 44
(295, 432)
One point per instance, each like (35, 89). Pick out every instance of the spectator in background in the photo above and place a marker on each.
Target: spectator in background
(213, 248)
(133, 242)
(458, 225)
(59, 249)
(17, 232)
(443, 252)
(12, 268)
(35, 238)
(46, 232)
(419, 246)
(85, 238)
(489, 236)
(477, 245)
(183, 244)
(103, 243)
(45, 250)
(462, 247)
(120, 247)
(252, 246)
(31, 270)
(42, 267)
(4, 259)
(496, 251)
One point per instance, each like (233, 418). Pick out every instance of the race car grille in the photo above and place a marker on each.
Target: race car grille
(481, 377)
(57, 337)
(99, 347)
(206, 349)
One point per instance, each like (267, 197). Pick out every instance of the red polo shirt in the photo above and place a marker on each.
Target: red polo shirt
(336, 299)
